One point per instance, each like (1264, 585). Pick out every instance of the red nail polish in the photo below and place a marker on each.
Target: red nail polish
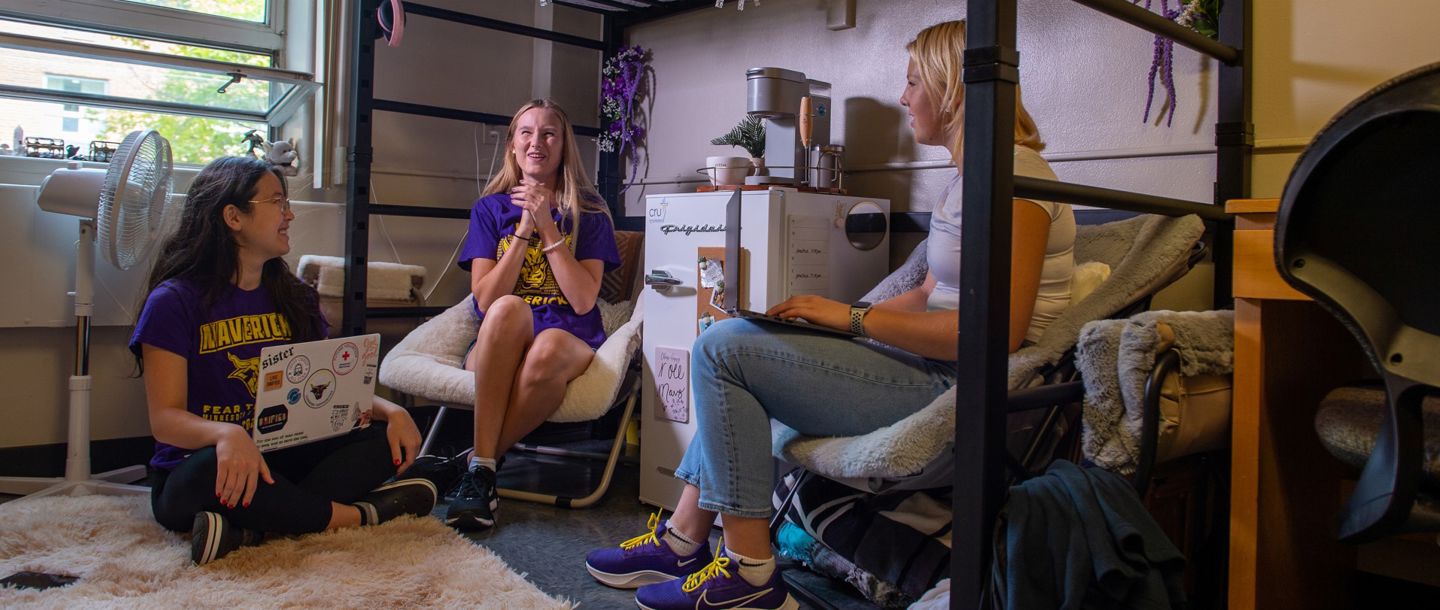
(247, 505)
(397, 462)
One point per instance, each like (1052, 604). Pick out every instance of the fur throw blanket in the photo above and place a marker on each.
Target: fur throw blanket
(1115, 358)
(1145, 253)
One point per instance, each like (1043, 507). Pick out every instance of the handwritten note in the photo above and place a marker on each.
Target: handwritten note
(809, 255)
(672, 384)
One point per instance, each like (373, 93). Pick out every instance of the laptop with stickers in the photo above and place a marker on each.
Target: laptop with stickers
(314, 390)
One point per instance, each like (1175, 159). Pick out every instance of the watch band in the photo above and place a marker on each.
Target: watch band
(858, 311)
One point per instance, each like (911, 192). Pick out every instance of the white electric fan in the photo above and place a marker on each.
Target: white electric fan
(127, 204)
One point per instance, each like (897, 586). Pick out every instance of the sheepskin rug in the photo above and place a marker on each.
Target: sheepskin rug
(126, 560)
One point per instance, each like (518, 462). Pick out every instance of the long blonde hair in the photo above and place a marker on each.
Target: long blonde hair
(575, 192)
(939, 55)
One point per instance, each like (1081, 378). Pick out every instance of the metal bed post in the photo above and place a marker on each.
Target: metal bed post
(359, 155)
(608, 173)
(1234, 136)
(991, 73)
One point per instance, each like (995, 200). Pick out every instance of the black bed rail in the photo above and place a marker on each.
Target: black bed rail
(1144, 19)
(403, 312)
(1064, 192)
(432, 12)
(418, 211)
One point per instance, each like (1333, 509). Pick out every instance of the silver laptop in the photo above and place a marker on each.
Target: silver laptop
(314, 390)
(731, 300)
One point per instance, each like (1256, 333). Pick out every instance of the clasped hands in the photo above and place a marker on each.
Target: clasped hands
(535, 199)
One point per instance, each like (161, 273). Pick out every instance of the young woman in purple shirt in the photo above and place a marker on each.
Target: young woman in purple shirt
(540, 239)
(222, 272)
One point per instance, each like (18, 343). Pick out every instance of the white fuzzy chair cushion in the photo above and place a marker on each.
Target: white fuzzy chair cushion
(428, 362)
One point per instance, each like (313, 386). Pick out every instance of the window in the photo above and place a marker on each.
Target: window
(70, 113)
(201, 72)
(249, 10)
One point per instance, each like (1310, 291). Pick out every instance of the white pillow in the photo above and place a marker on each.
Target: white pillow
(1088, 277)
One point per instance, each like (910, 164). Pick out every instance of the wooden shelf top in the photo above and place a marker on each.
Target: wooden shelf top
(1252, 206)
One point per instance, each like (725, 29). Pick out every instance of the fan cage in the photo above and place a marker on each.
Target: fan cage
(133, 215)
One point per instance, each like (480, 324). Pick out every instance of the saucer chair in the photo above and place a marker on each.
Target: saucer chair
(1356, 232)
(428, 364)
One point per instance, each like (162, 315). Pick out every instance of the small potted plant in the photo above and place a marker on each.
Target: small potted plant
(749, 134)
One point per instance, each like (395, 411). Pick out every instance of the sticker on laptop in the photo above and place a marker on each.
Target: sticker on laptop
(272, 419)
(339, 416)
(297, 369)
(319, 388)
(345, 358)
(273, 380)
(372, 350)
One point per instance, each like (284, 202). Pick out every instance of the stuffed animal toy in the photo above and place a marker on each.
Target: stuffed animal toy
(282, 154)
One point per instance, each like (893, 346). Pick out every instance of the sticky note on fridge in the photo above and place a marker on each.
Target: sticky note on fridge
(672, 384)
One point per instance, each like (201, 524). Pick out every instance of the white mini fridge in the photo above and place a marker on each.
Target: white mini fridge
(792, 243)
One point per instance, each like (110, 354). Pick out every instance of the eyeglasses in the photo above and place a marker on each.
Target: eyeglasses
(283, 202)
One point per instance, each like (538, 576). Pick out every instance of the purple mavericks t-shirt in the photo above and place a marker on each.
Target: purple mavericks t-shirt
(221, 346)
(493, 221)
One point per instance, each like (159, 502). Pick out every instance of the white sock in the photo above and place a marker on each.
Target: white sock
(479, 461)
(682, 545)
(755, 571)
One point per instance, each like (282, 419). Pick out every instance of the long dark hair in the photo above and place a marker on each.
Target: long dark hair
(203, 250)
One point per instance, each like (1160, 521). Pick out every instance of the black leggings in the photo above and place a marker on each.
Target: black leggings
(307, 479)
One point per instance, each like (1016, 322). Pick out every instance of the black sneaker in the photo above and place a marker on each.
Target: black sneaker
(213, 536)
(403, 497)
(476, 501)
(444, 472)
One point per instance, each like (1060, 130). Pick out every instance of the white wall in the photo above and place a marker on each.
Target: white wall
(1088, 95)
(1312, 57)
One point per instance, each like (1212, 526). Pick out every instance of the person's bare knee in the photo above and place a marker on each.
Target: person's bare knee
(506, 319)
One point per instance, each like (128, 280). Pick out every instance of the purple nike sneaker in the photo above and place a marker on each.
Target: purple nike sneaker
(644, 560)
(717, 585)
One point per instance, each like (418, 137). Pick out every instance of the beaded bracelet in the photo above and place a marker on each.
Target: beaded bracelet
(557, 244)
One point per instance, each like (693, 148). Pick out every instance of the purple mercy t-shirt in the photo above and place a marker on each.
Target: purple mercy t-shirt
(221, 346)
(493, 221)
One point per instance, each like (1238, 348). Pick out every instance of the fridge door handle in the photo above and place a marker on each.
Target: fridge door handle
(661, 279)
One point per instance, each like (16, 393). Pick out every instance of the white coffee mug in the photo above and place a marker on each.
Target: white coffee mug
(728, 171)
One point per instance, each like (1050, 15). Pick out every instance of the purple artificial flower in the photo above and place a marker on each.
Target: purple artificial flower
(622, 88)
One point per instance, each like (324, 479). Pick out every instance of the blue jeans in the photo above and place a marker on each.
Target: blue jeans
(745, 373)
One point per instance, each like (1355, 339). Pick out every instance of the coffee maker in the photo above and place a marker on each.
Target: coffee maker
(776, 96)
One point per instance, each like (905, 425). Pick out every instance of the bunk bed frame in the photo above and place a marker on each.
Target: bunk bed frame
(991, 74)
(616, 18)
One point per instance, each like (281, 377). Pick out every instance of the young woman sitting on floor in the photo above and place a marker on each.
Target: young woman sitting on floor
(223, 267)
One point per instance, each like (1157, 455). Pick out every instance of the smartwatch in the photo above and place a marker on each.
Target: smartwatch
(858, 311)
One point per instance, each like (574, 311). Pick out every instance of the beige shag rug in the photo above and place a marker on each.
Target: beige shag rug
(125, 559)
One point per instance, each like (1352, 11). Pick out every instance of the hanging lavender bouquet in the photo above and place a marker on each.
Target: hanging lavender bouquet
(1199, 15)
(623, 81)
